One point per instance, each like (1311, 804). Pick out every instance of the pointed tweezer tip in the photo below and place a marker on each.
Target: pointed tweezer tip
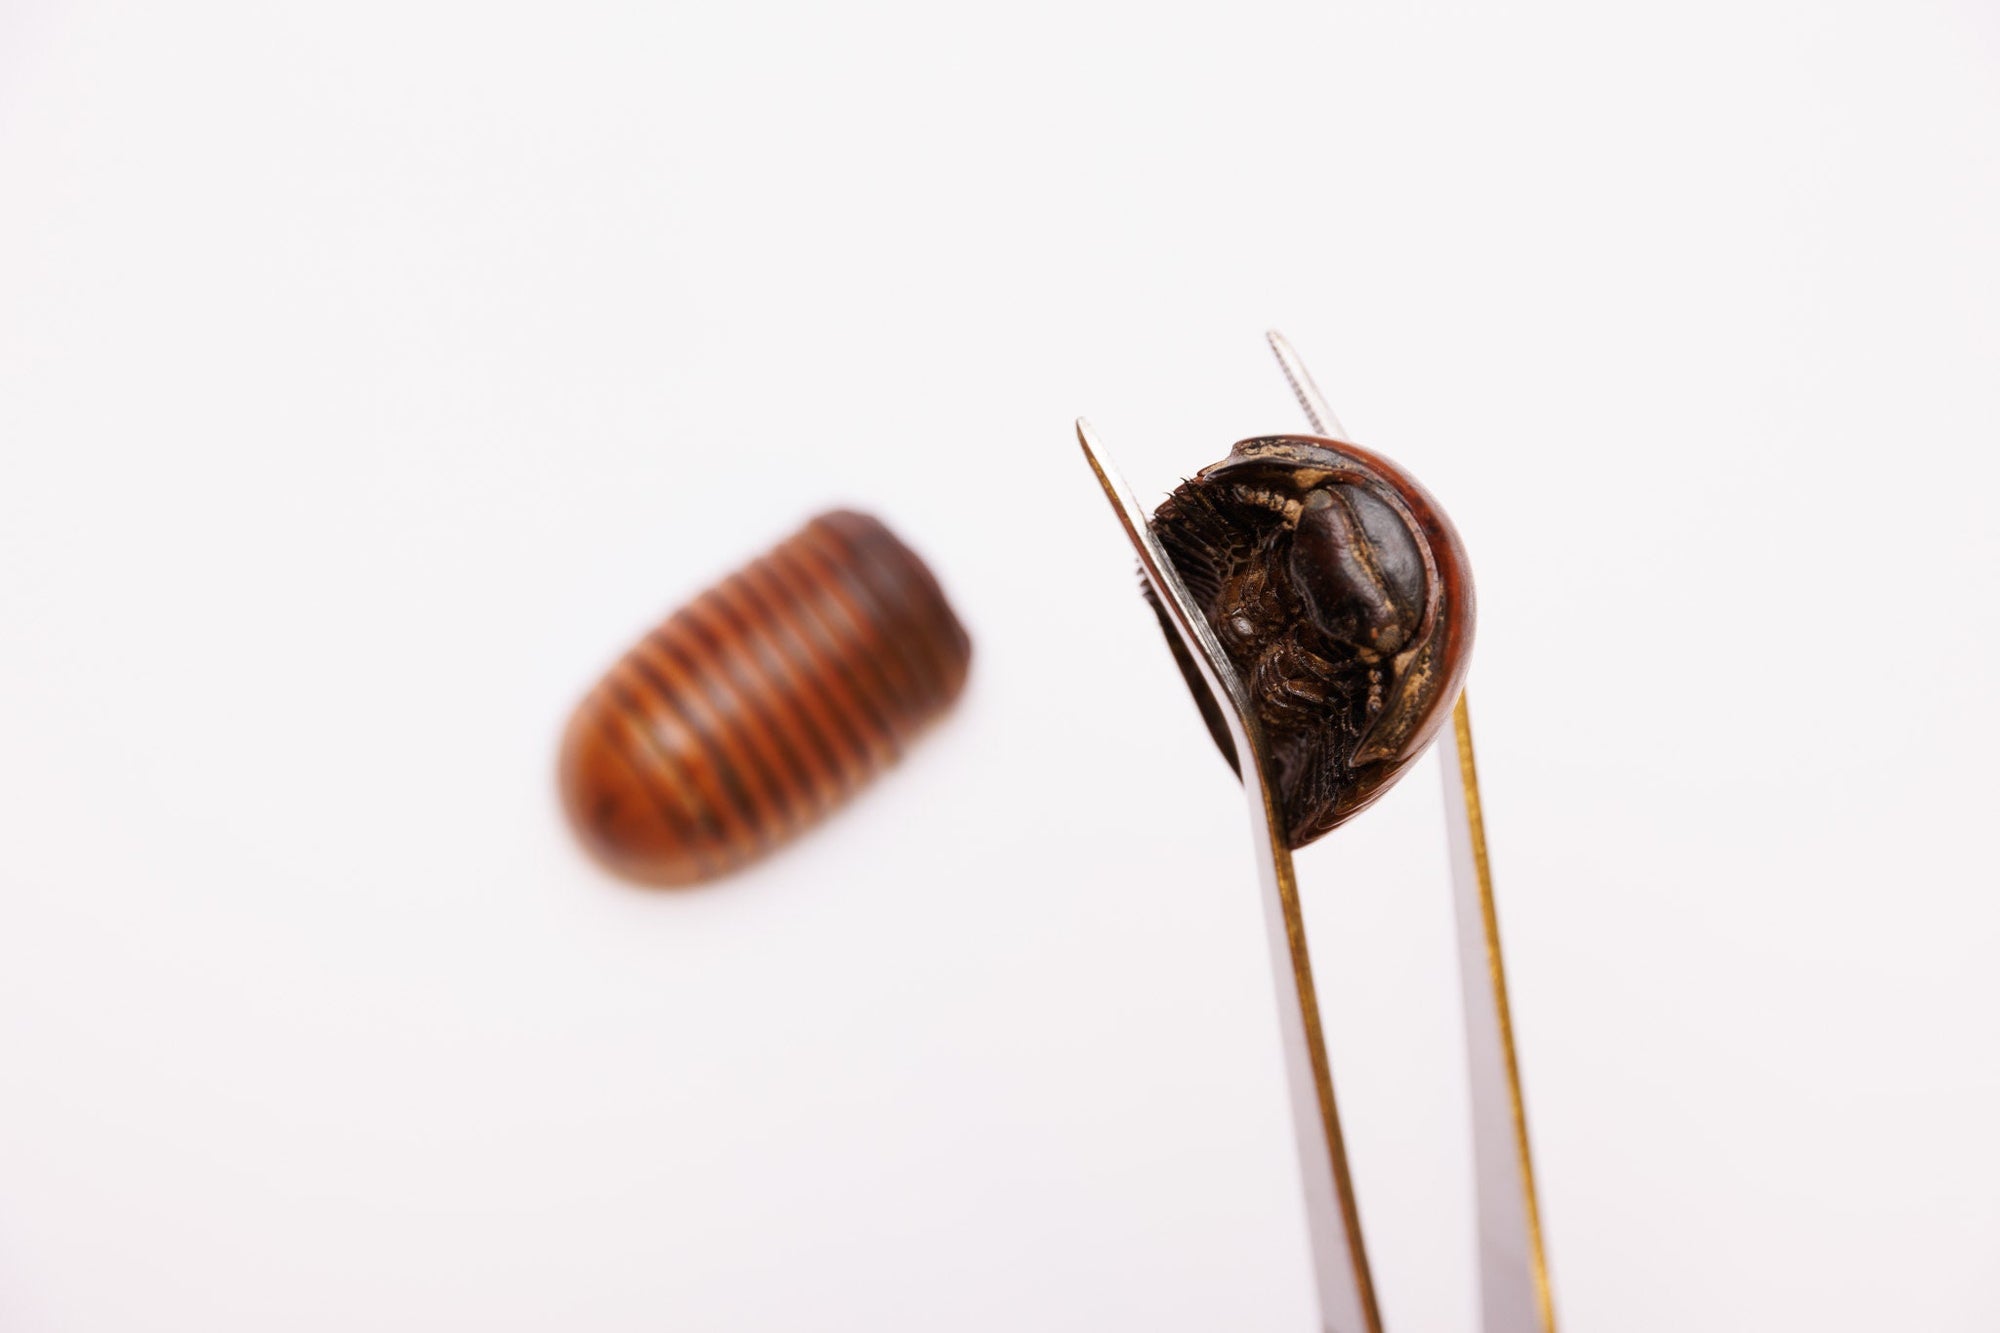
(1086, 437)
(1281, 347)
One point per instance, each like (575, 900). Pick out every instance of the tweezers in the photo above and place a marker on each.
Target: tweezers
(1514, 1287)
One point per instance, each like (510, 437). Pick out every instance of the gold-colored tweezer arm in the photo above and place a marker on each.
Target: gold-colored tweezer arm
(1346, 1291)
(1513, 1267)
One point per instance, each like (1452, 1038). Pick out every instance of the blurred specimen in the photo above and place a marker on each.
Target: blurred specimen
(762, 705)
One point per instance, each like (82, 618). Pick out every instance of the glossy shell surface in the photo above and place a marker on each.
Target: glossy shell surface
(1341, 594)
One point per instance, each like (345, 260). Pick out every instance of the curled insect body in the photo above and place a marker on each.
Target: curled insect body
(762, 705)
(1341, 594)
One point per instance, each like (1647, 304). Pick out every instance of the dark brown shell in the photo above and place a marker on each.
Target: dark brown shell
(762, 705)
(1341, 593)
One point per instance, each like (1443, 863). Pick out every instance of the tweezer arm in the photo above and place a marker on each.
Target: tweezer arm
(1340, 1264)
(1514, 1293)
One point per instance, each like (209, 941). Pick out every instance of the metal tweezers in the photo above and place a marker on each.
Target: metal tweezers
(1513, 1270)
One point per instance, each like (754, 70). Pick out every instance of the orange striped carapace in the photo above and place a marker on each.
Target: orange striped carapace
(762, 705)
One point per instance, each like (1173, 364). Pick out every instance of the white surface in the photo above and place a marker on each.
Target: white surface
(369, 374)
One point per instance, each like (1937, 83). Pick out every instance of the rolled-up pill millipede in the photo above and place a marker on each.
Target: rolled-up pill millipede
(763, 704)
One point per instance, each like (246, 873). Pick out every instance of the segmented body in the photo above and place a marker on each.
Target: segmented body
(763, 704)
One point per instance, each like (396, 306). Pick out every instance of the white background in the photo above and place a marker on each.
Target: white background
(371, 374)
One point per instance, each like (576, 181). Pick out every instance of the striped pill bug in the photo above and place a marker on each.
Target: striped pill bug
(762, 705)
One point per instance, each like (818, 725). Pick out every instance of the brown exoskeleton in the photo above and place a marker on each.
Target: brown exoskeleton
(1342, 596)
